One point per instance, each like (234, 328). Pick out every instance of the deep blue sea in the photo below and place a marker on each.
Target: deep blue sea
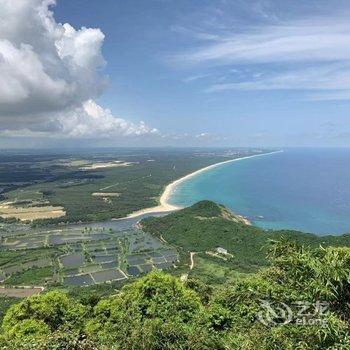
(303, 189)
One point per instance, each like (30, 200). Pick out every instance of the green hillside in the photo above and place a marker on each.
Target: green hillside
(205, 226)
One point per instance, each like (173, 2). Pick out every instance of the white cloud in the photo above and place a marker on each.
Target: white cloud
(320, 77)
(91, 120)
(330, 96)
(309, 40)
(312, 54)
(195, 77)
(50, 75)
(88, 121)
(203, 135)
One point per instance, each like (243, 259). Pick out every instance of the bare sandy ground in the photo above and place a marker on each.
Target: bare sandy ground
(23, 292)
(8, 210)
(106, 194)
(114, 164)
(165, 206)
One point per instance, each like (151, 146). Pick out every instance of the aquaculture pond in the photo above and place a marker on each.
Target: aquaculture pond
(84, 254)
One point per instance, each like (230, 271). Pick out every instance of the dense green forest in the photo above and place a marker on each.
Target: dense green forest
(159, 311)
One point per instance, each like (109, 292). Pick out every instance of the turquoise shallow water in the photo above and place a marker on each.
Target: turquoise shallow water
(303, 189)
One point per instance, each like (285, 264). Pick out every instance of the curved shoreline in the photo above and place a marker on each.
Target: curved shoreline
(165, 206)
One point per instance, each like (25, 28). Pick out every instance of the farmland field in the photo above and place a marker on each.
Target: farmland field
(81, 255)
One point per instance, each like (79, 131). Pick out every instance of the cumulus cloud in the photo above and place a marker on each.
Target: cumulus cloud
(50, 75)
(92, 119)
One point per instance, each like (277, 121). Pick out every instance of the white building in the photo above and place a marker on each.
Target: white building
(221, 251)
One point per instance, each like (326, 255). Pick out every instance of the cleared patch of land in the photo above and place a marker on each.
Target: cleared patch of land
(30, 213)
(106, 194)
(75, 162)
(102, 165)
(20, 292)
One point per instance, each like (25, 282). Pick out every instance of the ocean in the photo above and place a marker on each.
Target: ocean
(301, 189)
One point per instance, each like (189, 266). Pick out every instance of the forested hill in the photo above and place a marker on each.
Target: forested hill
(205, 226)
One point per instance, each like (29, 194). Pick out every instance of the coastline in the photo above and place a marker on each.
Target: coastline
(165, 206)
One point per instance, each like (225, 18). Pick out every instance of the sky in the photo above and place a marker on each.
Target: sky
(83, 73)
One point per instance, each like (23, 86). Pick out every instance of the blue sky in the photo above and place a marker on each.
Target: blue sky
(221, 73)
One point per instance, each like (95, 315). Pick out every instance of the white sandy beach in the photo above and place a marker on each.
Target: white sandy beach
(165, 206)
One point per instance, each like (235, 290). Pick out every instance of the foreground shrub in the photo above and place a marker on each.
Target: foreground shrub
(159, 312)
(43, 313)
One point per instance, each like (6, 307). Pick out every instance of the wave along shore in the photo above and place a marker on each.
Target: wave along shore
(165, 206)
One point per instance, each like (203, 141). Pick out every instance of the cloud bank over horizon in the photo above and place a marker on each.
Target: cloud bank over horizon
(51, 77)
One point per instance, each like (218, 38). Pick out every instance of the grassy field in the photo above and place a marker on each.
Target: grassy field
(34, 276)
